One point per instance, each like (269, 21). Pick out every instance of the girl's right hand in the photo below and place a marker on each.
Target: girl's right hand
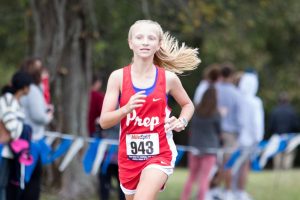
(137, 100)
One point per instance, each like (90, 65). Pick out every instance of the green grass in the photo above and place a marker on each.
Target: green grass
(267, 185)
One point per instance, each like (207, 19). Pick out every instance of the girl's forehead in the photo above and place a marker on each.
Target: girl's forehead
(145, 28)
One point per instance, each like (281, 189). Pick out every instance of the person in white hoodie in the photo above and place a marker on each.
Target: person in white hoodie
(252, 131)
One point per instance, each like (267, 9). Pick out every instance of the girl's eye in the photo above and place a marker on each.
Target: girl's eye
(152, 38)
(139, 37)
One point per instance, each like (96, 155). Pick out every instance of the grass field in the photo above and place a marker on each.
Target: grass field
(267, 185)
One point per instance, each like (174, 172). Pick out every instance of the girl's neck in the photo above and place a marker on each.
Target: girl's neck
(142, 66)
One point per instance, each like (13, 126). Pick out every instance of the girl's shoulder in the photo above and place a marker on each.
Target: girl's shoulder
(115, 79)
(172, 81)
(117, 74)
(170, 76)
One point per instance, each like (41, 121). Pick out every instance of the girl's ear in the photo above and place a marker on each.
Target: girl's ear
(129, 44)
(159, 46)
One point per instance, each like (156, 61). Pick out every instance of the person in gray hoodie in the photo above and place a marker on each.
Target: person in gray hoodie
(38, 114)
(229, 106)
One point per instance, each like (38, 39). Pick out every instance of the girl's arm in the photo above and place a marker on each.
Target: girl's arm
(111, 114)
(175, 88)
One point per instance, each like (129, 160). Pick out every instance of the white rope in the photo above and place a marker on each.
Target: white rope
(72, 137)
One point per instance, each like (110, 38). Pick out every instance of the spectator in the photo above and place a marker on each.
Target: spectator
(96, 97)
(37, 113)
(252, 131)
(112, 170)
(95, 106)
(283, 120)
(205, 136)
(37, 116)
(11, 123)
(229, 107)
(211, 75)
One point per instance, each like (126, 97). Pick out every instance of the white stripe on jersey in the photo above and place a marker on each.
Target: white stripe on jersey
(169, 136)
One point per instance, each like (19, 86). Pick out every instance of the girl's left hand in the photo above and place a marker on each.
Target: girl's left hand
(175, 124)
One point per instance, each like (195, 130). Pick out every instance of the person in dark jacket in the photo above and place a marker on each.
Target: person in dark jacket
(283, 120)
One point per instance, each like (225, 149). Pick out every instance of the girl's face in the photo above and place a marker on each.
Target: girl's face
(144, 41)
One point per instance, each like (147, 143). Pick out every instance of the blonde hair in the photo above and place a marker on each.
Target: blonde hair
(171, 56)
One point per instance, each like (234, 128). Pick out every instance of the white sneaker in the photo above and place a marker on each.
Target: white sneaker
(243, 195)
(228, 195)
(208, 196)
(216, 193)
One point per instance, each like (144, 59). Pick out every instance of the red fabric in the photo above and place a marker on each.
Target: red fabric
(46, 89)
(95, 106)
(130, 170)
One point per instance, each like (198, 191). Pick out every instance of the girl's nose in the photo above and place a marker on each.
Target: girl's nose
(145, 41)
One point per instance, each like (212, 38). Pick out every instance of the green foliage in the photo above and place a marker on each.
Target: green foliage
(13, 38)
(6, 74)
(114, 19)
(259, 34)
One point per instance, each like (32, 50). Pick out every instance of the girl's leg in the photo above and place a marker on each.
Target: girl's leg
(151, 182)
(129, 197)
(206, 165)
(193, 175)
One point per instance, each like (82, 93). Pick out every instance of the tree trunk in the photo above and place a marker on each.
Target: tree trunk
(62, 41)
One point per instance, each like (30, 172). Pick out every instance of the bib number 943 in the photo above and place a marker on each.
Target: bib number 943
(142, 146)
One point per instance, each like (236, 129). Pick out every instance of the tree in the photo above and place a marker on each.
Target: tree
(63, 34)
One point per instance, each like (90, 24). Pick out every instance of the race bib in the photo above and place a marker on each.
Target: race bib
(142, 146)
